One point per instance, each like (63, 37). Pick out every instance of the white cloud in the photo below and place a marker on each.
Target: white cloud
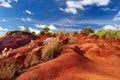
(3, 29)
(108, 9)
(7, 3)
(26, 19)
(40, 26)
(31, 29)
(73, 5)
(28, 12)
(4, 20)
(111, 27)
(22, 27)
(34, 30)
(51, 27)
(117, 16)
(69, 10)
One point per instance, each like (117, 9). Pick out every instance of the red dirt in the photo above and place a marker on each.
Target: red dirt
(72, 65)
(90, 59)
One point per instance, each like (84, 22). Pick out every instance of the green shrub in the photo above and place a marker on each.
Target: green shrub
(115, 34)
(45, 30)
(92, 34)
(101, 33)
(74, 32)
(87, 30)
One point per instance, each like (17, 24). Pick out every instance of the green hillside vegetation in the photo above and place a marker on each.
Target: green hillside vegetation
(114, 34)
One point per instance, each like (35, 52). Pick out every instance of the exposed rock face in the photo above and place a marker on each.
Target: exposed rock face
(15, 39)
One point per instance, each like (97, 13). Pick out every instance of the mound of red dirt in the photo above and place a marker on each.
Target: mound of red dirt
(90, 59)
(15, 39)
(72, 65)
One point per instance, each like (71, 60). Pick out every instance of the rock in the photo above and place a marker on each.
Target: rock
(14, 40)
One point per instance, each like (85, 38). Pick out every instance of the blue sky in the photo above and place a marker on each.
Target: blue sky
(59, 15)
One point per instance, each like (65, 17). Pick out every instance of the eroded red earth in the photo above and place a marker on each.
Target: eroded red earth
(91, 58)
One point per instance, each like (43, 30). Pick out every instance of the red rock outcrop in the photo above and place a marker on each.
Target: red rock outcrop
(15, 40)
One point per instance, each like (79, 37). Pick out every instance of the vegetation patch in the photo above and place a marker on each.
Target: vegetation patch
(51, 49)
(7, 72)
(72, 39)
(114, 34)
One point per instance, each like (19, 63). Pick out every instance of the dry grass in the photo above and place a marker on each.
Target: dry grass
(5, 53)
(51, 48)
(31, 60)
(7, 72)
(72, 39)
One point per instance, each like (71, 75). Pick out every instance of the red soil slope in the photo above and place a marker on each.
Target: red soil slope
(90, 59)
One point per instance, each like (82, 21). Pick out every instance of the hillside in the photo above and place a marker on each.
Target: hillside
(15, 39)
(62, 57)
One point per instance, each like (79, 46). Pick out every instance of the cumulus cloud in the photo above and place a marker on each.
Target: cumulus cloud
(28, 12)
(51, 27)
(30, 29)
(7, 3)
(69, 10)
(74, 5)
(34, 30)
(22, 27)
(111, 27)
(117, 16)
(3, 30)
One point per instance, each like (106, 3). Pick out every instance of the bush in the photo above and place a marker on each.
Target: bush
(72, 39)
(87, 30)
(74, 32)
(115, 34)
(45, 30)
(101, 33)
(8, 71)
(51, 49)
(31, 60)
(92, 34)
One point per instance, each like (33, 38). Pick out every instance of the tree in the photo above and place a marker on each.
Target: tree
(44, 30)
(87, 30)
(74, 32)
